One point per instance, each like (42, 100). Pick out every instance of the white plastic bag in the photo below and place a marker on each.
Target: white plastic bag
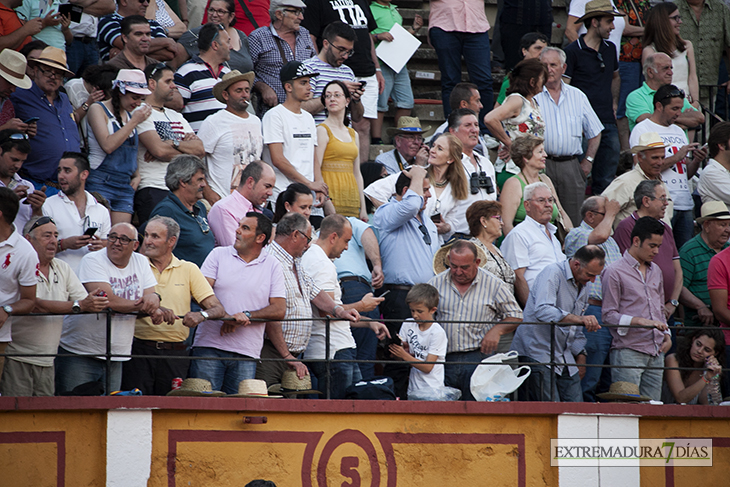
(444, 393)
(493, 377)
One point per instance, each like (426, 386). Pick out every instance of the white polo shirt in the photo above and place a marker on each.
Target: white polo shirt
(18, 267)
(70, 223)
(528, 246)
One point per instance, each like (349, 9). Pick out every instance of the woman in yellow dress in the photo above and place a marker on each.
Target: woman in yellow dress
(337, 153)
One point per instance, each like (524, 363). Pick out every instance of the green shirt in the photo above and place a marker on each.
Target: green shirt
(386, 16)
(503, 90)
(641, 101)
(695, 258)
(710, 36)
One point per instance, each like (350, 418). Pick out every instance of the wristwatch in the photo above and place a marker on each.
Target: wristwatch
(674, 302)
(589, 159)
(8, 309)
(76, 308)
(248, 314)
(205, 314)
(176, 143)
(85, 107)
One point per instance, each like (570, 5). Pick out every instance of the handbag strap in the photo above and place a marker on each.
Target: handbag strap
(278, 42)
(248, 14)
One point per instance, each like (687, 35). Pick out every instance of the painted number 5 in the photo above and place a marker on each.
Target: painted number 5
(348, 468)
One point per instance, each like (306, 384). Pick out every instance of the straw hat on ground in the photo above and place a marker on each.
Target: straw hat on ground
(253, 388)
(292, 385)
(196, 387)
(623, 392)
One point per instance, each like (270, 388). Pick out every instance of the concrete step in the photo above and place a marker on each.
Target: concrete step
(376, 150)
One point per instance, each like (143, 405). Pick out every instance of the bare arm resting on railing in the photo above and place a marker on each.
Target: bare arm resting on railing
(22, 306)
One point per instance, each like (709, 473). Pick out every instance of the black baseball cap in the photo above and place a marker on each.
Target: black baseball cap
(295, 70)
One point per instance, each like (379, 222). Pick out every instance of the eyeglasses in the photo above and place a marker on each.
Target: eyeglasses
(212, 11)
(597, 212)
(663, 199)
(603, 65)
(497, 217)
(677, 18)
(17, 136)
(157, 68)
(40, 222)
(144, 1)
(49, 73)
(542, 201)
(202, 222)
(343, 50)
(426, 235)
(329, 96)
(411, 138)
(309, 239)
(673, 94)
(123, 239)
(296, 12)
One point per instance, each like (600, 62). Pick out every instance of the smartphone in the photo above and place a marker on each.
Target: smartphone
(383, 295)
(436, 218)
(31, 120)
(395, 340)
(363, 84)
(90, 231)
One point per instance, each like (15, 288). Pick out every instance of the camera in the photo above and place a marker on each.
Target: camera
(480, 180)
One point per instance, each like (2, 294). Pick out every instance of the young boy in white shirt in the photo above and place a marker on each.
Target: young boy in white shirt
(423, 340)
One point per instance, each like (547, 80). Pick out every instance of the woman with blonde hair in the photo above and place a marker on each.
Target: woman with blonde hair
(528, 153)
(449, 189)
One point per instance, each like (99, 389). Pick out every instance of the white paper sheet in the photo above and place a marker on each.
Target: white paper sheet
(397, 52)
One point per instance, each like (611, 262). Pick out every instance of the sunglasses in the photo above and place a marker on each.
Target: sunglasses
(40, 222)
(426, 236)
(159, 67)
(673, 94)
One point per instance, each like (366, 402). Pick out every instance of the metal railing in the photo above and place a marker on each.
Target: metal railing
(108, 355)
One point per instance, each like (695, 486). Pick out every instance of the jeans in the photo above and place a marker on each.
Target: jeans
(224, 375)
(606, 161)
(474, 48)
(394, 307)
(567, 387)
(683, 226)
(365, 338)
(80, 56)
(649, 381)
(597, 347)
(343, 375)
(631, 79)
(74, 371)
(459, 375)
(397, 87)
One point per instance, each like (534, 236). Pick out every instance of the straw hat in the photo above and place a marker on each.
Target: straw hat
(132, 80)
(599, 8)
(441, 259)
(406, 126)
(253, 388)
(649, 141)
(231, 78)
(623, 391)
(196, 387)
(12, 68)
(293, 385)
(713, 210)
(55, 58)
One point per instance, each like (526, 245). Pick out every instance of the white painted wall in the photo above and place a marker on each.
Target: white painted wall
(128, 447)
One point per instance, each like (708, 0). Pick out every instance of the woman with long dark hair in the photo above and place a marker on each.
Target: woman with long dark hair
(297, 197)
(703, 351)
(661, 34)
(113, 142)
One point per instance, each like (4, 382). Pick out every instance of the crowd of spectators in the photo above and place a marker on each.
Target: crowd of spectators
(212, 186)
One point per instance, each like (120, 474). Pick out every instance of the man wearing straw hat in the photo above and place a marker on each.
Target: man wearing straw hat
(649, 157)
(12, 75)
(409, 147)
(593, 68)
(57, 128)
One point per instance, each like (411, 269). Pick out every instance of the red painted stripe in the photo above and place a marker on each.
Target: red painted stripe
(57, 437)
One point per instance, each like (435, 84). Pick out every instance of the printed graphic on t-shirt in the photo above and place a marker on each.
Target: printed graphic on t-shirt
(416, 348)
(350, 13)
(127, 287)
(169, 130)
(245, 150)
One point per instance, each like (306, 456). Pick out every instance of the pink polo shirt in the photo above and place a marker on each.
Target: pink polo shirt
(240, 286)
(225, 216)
(458, 16)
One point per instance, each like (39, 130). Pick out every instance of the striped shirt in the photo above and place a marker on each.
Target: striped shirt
(695, 258)
(195, 81)
(577, 238)
(487, 299)
(298, 297)
(567, 121)
(327, 73)
(110, 27)
(266, 57)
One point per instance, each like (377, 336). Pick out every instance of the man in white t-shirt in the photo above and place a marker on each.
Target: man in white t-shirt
(18, 267)
(334, 236)
(76, 212)
(164, 135)
(677, 168)
(290, 136)
(232, 137)
(126, 278)
(58, 290)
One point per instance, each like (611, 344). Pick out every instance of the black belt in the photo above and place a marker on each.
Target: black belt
(562, 158)
(355, 278)
(85, 39)
(163, 345)
(398, 287)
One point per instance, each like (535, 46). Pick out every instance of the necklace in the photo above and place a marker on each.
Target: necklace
(159, 109)
(527, 180)
(440, 184)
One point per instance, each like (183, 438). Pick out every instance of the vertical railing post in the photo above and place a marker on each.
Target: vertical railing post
(552, 358)
(108, 351)
(328, 363)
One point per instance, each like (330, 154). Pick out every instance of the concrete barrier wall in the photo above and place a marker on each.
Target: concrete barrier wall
(175, 442)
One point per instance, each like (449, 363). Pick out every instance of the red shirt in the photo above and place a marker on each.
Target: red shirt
(259, 10)
(718, 277)
(9, 23)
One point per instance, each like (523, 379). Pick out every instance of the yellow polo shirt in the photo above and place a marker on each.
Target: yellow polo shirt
(180, 281)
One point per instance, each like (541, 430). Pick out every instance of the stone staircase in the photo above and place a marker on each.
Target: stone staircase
(424, 72)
